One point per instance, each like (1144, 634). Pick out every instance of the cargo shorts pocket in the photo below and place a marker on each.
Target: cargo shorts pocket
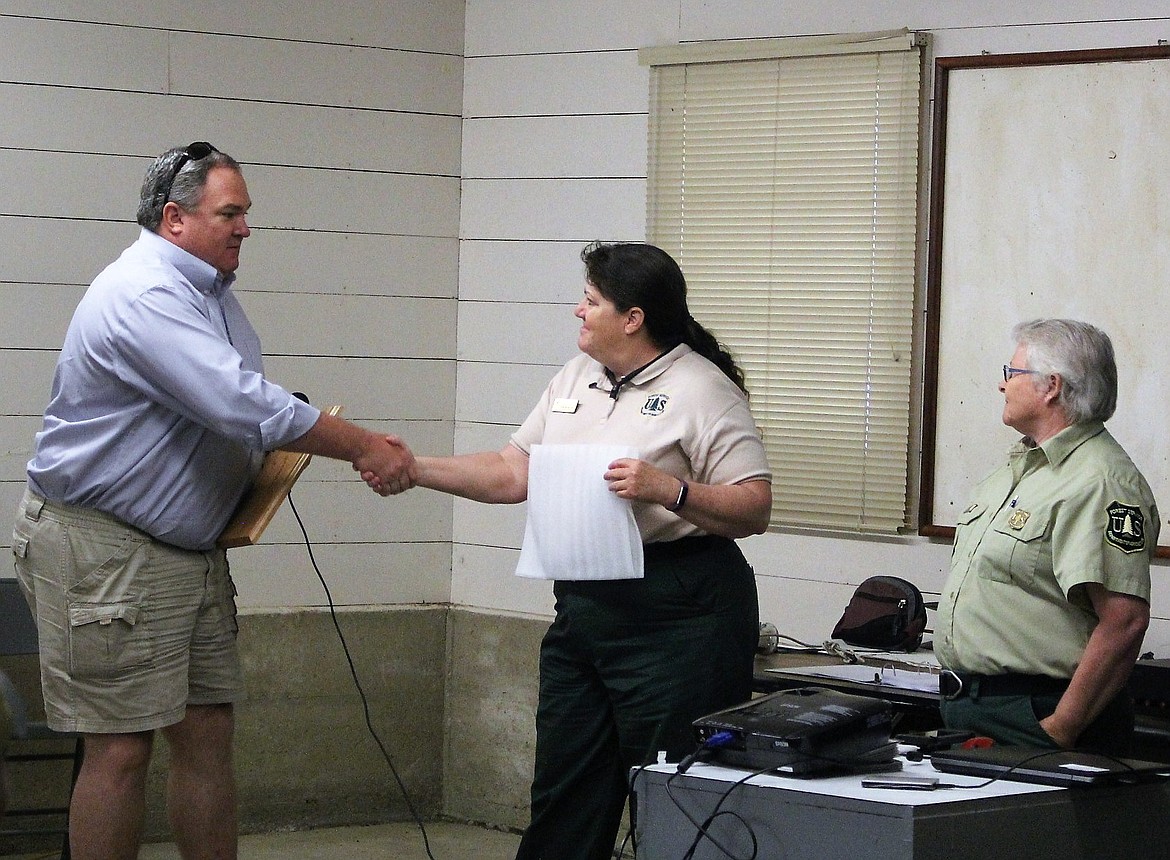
(105, 606)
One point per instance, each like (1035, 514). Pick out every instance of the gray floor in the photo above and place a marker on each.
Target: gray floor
(401, 841)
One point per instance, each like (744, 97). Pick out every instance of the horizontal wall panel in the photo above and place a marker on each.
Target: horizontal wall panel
(847, 560)
(359, 202)
(83, 186)
(398, 392)
(272, 576)
(554, 209)
(483, 524)
(474, 436)
(436, 25)
(555, 84)
(296, 324)
(501, 394)
(489, 525)
(301, 261)
(737, 19)
(60, 251)
(350, 512)
(520, 271)
(66, 53)
(1157, 637)
(531, 334)
(368, 388)
(1062, 37)
(16, 446)
(25, 378)
(36, 315)
(280, 260)
(234, 67)
(510, 27)
(145, 124)
(106, 188)
(136, 59)
(573, 146)
(353, 326)
(11, 492)
(135, 13)
(485, 578)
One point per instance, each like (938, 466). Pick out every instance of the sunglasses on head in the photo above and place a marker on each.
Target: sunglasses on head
(193, 152)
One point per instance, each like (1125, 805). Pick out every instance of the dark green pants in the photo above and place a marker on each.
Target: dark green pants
(1015, 720)
(625, 668)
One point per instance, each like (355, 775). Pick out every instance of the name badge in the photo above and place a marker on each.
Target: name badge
(564, 404)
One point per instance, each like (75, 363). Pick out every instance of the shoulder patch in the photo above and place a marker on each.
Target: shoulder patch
(1126, 528)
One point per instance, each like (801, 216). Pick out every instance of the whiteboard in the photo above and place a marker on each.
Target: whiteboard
(1050, 198)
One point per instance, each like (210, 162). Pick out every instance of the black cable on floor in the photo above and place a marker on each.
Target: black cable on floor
(358, 684)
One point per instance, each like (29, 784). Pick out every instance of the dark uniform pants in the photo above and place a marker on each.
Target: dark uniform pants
(1015, 720)
(625, 668)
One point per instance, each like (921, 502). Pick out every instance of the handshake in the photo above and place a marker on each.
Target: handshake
(387, 465)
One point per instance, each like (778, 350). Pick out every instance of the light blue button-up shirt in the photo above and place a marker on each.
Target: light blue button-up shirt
(160, 414)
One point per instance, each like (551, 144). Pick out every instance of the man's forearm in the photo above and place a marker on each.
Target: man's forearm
(385, 459)
(334, 437)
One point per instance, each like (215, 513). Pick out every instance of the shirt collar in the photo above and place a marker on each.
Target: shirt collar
(1058, 448)
(656, 368)
(203, 276)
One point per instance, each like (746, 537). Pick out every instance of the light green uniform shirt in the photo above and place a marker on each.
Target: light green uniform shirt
(1072, 511)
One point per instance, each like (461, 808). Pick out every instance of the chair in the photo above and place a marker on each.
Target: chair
(18, 636)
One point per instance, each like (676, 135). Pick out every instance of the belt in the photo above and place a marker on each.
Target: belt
(684, 546)
(954, 685)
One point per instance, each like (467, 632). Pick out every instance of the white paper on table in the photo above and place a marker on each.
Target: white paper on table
(577, 528)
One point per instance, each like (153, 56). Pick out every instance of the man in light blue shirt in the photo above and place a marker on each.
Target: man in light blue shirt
(159, 419)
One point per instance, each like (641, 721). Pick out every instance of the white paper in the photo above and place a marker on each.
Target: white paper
(577, 528)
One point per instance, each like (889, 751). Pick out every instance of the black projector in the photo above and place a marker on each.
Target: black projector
(803, 731)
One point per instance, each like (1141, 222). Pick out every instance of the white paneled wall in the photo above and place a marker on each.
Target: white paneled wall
(425, 174)
(347, 120)
(554, 146)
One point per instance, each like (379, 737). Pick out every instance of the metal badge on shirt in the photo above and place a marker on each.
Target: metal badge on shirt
(1126, 528)
(1018, 519)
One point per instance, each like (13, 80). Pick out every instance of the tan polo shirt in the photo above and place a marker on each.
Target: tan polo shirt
(1071, 511)
(682, 414)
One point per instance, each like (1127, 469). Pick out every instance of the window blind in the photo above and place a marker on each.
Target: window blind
(786, 188)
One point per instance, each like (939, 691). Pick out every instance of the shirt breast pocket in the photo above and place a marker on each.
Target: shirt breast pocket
(966, 538)
(1022, 547)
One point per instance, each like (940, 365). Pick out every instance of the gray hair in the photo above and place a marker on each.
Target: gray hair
(186, 189)
(1082, 355)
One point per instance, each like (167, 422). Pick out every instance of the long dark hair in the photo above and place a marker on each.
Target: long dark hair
(633, 275)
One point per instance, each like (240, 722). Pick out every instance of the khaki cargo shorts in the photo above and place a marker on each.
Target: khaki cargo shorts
(132, 630)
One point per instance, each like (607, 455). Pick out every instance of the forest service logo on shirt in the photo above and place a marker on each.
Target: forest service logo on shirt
(655, 404)
(1126, 529)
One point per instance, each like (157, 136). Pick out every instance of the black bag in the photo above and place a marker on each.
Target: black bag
(885, 612)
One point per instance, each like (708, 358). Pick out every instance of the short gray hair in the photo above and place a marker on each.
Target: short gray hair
(1082, 355)
(186, 189)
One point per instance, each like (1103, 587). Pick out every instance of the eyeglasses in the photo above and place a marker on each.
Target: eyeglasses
(1009, 371)
(194, 152)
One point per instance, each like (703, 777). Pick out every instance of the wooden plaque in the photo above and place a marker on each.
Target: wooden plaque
(277, 476)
